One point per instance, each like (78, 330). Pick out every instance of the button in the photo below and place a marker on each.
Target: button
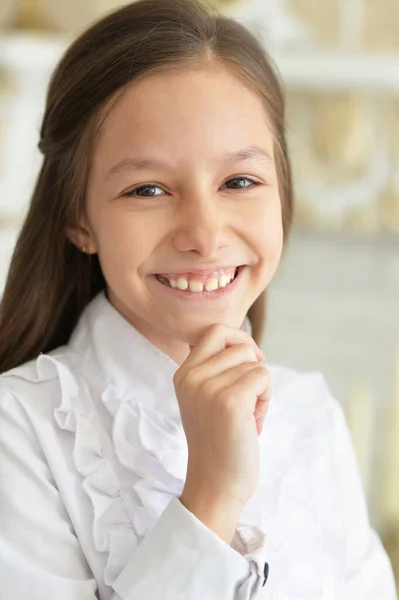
(265, 573)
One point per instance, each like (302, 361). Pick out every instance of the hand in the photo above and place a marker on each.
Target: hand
(223, 393)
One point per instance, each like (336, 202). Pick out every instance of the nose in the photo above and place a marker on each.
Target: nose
(201, 227)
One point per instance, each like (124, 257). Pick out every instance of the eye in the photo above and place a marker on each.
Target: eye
(148, 190)
(144, 191)
(239, 183)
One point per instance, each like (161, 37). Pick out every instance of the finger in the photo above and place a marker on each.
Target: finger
(216, 338)
(254, 388)
(262, 406)
(259, 425)
(228, 359)
(261, 410)
(232, 382)
(212, 386)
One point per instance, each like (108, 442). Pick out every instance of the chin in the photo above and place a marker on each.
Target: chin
(191, 332)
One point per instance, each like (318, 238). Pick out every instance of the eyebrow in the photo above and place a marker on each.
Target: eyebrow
(132, 164)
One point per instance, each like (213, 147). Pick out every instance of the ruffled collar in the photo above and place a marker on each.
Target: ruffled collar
(126, 358)
(122, 352)
(149, 442)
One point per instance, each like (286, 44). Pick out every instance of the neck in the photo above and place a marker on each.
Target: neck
(177, 350)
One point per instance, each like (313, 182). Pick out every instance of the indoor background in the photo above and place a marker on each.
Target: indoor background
(333, 306)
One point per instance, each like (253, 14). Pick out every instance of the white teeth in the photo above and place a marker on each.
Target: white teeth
(182, 283)
(223, 281)
(196, 286)
(211, 285)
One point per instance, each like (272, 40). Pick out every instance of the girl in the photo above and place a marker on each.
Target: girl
(136, 462)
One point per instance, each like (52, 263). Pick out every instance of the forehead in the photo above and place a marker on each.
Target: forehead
(184, 110)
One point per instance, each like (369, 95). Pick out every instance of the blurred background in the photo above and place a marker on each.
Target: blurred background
(334, 304)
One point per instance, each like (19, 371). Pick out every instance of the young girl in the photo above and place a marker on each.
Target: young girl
(136, 462)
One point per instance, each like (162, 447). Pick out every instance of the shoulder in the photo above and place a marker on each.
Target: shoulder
(306, 389)
(305, 425)
(36, 387)
(303, 409)
(308, 425)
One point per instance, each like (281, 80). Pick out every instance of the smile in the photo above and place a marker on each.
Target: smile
(210, 286)
(197, 284)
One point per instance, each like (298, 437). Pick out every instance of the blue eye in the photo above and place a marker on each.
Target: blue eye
(146, 188)
(241, 183)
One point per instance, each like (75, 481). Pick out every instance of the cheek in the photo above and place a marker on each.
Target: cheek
(267, 231)
(121, 242)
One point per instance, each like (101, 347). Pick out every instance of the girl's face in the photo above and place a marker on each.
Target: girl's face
(183, 184)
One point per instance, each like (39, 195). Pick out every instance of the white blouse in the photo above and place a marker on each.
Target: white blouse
(93, 459)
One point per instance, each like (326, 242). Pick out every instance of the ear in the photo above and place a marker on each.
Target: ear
(82, 238)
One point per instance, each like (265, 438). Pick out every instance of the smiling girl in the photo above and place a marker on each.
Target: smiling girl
(135, 459)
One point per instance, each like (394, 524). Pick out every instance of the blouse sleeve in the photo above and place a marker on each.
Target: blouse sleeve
(182, 559)
(368, 572)
(41, 557)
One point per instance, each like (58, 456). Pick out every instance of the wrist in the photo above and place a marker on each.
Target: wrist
(220, 515)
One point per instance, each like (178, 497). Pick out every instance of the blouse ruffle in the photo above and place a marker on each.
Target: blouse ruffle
(291, 521)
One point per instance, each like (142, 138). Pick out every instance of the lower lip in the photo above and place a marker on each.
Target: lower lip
(192, 296)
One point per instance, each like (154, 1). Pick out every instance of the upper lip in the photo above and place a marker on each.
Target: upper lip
(192, 271)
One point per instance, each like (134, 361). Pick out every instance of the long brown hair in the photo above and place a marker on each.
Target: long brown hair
(50, 280)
